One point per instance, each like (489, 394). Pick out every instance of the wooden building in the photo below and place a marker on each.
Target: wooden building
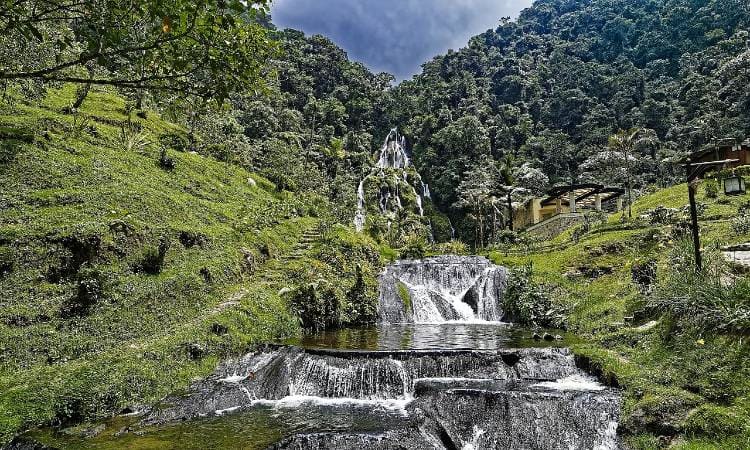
(725, 149)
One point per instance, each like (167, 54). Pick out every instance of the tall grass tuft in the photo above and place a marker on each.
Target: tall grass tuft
(710, 299)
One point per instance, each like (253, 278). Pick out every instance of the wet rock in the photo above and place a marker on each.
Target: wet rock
(219, 329)
(195, 351)
(548, 337)
(536, 337)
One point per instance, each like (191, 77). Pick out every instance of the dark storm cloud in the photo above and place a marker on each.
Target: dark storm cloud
(395, 36)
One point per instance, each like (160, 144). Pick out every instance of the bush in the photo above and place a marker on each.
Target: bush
(317, 305)
(165, 162)
(454, 247)
(712, 190)
(415, 249)
(741, 225)
(90, 289)
(176, 141)
(528, 303)
(152, 261)
(361, 307)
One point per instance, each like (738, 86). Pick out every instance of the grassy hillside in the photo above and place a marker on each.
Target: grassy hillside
(125, 271)
(686, 382)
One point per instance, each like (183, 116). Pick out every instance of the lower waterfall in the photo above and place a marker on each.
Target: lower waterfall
(441, 289)
(514, 398)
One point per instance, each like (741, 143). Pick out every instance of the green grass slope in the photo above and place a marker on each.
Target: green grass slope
(123, 278)
(685, 385)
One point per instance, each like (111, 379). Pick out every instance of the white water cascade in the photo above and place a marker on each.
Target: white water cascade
(392, 156)
(442, 289)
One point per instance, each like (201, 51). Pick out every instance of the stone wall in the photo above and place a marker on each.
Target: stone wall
(555, 225)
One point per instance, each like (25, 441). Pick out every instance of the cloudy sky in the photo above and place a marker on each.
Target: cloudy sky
(395, 36)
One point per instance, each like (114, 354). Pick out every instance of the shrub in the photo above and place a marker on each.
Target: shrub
(90, 289)
(415, 249)
(152, 261)
(702, 299)
(529, 303)
(453, 247)
(316, 304)
(165, 162)
(741, 224)
(176, 141)
(661, 215)
(361, 305)
(712, 190)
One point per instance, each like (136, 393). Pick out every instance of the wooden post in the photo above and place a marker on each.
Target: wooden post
(692, 188)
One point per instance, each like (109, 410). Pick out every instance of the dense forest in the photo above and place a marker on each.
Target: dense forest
(549, 89)
(523, 107)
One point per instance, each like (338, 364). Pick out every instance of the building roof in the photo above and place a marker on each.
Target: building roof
(585, 193)
(719, 145)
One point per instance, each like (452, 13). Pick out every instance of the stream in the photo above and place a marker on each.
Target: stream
(440, 371)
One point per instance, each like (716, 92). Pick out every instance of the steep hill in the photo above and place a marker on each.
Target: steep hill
(550, 88)
(129, 265)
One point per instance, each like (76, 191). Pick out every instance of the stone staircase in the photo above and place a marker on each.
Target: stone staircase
(309, 238)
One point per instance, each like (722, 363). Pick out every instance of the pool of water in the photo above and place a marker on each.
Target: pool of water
(256, 427)
(443, 336)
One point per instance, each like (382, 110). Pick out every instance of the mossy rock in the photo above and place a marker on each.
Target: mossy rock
(716, 421)
(403, 292)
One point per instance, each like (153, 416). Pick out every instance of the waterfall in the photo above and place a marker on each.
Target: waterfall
(436, 399)
(444, 398)
(393, 153)
(419, 203)
(393, 157)
(359, 218)
(440, 289)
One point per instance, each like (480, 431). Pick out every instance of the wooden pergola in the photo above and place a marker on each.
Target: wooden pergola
(585, 196)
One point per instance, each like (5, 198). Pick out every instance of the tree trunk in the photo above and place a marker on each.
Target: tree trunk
(510, 211)
(83, 91)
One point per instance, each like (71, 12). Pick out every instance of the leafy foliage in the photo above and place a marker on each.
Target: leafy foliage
(703, 299)
(526, 302)
(206, 49)
(552, 87)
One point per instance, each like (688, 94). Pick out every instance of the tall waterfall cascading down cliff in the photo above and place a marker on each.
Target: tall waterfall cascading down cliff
(436, 398)
(391, 171)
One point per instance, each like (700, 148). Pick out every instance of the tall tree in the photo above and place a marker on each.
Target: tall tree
(625, 144)
(205, 48)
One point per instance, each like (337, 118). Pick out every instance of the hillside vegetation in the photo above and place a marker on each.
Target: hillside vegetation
(549, 89)
(128, 265)
(674, 340)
